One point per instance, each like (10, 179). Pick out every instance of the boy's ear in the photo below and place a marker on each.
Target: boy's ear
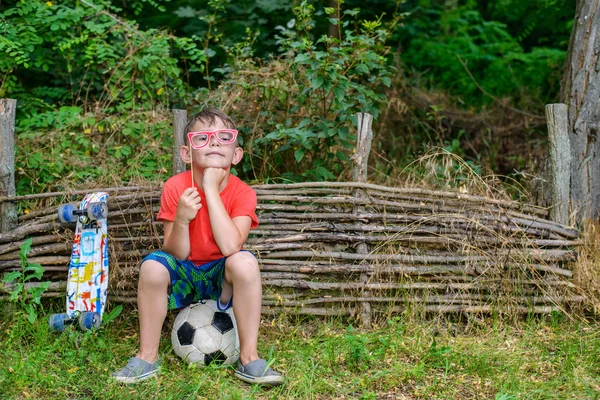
(237, 156)
(184, 153)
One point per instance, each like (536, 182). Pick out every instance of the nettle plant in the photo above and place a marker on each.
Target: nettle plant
(90, 84)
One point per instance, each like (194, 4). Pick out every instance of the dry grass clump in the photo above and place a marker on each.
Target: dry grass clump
(506, 139)
(587, 268)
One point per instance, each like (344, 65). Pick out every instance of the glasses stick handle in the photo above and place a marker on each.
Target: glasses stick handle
(192, 164)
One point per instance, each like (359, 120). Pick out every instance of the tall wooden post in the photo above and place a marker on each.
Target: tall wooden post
(8, 209)
(560, 161)
(179, 122)
(359, 174)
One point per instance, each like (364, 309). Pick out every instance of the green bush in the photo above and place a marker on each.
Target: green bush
(23, 291)
(296, 111)
(69, 147)
(99, 90)
(456, 49)
(93, 92)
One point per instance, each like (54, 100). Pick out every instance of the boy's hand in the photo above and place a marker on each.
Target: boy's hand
(213, 177)
(188, 205)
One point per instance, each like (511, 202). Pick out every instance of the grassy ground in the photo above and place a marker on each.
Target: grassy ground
(400, 358)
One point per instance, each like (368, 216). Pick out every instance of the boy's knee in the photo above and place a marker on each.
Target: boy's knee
(242, 263)
(154, 273)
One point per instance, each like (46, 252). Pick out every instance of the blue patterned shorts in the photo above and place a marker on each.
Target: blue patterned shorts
(191, 283)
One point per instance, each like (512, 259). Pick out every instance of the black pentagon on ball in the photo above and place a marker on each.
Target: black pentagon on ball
(222, 322)
(215, 357)
(185, 334)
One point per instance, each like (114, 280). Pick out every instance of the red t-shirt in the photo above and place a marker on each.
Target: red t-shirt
(238, 198)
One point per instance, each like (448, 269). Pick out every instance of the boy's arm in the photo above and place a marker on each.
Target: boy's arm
(177, 233)
(230, 233)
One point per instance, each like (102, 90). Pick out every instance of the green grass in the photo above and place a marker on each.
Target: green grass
(402, 358)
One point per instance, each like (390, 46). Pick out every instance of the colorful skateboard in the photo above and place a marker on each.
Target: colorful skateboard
(87, 284)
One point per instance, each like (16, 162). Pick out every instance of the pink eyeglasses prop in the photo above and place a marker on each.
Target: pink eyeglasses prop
(199, 140)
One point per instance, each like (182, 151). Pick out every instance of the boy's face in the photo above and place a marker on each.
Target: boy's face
(214, 154)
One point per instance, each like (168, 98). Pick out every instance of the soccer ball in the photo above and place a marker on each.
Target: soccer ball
(202, 334)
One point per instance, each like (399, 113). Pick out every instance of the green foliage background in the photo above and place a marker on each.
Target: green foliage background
(96, 81)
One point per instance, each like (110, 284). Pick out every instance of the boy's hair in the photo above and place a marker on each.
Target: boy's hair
(208, 116)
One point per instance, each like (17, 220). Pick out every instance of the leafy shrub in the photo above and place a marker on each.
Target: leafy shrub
(458, 50)
(103, 88)
(18, 284)
(68, 147)
(296, 110)
(97, 88)
(101, 60)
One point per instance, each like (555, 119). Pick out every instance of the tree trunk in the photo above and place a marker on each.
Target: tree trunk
(580, 90)
(334, 30)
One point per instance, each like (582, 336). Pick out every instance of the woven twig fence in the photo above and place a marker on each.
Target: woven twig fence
(340, 248)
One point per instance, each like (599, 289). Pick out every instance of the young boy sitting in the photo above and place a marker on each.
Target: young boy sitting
(207, 214)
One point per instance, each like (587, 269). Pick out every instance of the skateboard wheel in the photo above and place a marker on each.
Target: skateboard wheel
(97, 210)
(66, 214)
(56, 322)
(89, 320)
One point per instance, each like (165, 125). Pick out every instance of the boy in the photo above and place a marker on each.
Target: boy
(207, 214)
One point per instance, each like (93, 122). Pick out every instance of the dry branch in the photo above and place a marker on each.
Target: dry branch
(76, 192)
(479, 285)
(433, 193)
(529, 254)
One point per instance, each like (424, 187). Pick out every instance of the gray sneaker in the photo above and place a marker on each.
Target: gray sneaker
(257, 372)
(136, 370)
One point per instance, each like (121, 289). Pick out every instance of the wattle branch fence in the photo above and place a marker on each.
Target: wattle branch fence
(347, 248)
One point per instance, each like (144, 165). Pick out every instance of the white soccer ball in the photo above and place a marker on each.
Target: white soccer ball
(202, 334)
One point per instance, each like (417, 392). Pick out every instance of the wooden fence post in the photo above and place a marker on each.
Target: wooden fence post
(359, 174)
(8, 209)
(560, 161)
(179, 122)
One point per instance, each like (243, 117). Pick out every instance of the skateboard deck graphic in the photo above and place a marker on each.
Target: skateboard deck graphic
(87, 282)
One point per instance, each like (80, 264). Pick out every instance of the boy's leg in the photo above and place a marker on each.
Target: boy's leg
(242, 276)
(152, 307)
